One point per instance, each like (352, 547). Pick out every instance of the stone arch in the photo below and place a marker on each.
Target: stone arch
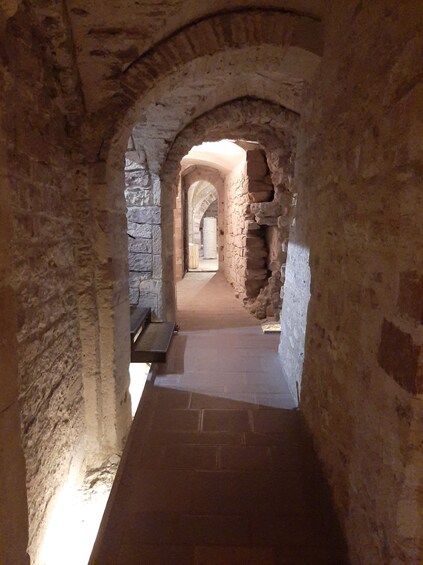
(256, 73)
(268, 122)
(207, 197)
(195, 173)
(196, 211)
(288, 32)
(189, 176)
(271, 124)
(106, 137)
(274, 127)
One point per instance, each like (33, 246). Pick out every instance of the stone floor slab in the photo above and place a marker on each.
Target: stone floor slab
(221, 469)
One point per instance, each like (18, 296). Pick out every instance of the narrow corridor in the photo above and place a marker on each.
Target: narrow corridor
(219, 468)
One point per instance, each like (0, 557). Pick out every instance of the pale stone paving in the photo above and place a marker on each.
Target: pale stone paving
(220, 469)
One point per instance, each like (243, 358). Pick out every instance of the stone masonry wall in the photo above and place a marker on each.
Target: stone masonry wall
(259, 202)
(142, 193)
(359, 229)
(47, 341)
(236, 206)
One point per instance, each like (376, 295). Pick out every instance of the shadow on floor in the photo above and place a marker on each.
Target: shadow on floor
(219, 468)
(210, 480)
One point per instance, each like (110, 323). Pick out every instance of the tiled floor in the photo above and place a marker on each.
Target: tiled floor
(219, 468)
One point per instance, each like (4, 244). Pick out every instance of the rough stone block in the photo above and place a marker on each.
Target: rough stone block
(152, 286)
(139, 245)
(137, 178)
(157, 191)
(267, 220)
(130, 161)
(259, 185)
(254, 241)
(266, 209)
(157, 267)
(139, 230)
(134, 295)
(145, 215)
(135, 278)
(140, 262)
(256, 274)
(149, 300)
(399, 356)
(263, 196)
(274, 266)
(256, 169)
(138, 197)
(252, 287)
(157, 240)
(251, 226)
(256, 156)
(255, 252)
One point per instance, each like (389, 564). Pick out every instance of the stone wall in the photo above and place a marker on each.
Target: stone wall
(142, 194)
(13, 506)
(357, 248)
(259, 203)
(42, 317)
(237, 207)
(67, 296)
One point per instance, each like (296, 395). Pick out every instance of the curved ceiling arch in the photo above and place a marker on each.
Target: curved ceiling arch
(216, 32)
(199, 192)
(223, 155)
(274, 127)
(287, 35)
(204, 84)
(263, 121)
(202, 173)
(109, 40)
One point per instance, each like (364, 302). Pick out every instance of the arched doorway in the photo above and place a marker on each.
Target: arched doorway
(201, 228)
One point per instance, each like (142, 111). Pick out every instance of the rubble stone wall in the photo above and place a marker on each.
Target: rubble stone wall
(257, 230)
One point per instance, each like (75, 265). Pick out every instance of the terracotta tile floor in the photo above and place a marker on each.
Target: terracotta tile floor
(219, 468)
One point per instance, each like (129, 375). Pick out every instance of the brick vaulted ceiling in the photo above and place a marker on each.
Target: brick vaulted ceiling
(110, 35)
(160, 65)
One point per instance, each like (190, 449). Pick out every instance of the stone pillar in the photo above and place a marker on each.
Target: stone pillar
(209, 238)
(112, 300)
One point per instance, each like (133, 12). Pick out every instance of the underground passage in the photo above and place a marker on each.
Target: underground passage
(211, 251)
